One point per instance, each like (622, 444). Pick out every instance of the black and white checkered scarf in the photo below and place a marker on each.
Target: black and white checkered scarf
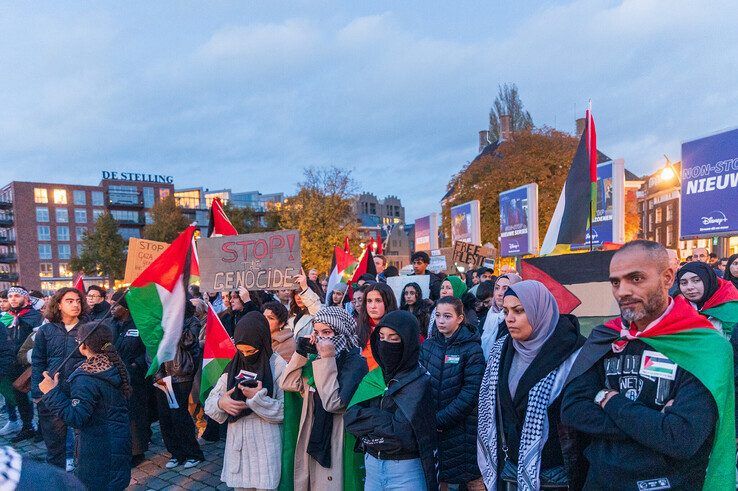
(535, 427)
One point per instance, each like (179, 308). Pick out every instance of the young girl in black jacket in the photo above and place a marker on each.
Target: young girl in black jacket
(398, 439)
(98, 407)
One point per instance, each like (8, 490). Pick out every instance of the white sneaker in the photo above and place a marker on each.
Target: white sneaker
(172, 463)
(11, 427)
(192, 463)
(70, 465)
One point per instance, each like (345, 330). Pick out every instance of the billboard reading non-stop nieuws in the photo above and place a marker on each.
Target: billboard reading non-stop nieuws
(519, 221)
(710, 186)
(263, 261)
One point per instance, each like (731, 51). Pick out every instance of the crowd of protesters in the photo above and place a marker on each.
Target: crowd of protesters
(481, 383)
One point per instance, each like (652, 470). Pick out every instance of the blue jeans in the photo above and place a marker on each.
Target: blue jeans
(391, 475)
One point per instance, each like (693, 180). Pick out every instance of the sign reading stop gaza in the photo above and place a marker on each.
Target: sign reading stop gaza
(141, 253)
(264, 261)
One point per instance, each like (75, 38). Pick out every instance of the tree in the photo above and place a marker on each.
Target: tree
(541, 156)
(323, 212)
(168, 221)
(508, 103)
(247, 220)
(103, 250)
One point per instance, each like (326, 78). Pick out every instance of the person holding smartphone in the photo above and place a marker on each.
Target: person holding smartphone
(249, 398)
(326, 369)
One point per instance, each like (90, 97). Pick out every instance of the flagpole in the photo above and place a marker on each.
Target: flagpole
(110, 310)
(588, 129)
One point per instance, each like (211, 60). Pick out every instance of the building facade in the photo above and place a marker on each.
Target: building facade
(385, 218)
(42, 225)
(658, 208)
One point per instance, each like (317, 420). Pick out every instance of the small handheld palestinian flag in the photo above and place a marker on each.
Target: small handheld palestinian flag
(219, 222)
(157, 299)
(217, 353)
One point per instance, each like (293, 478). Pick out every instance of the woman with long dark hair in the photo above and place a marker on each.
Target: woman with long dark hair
(731, 270)
(304, 304)
(54, 341)
(412, 301)
(379, 299)
(97, 405)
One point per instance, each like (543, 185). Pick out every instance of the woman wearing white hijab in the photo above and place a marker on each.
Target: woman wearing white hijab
(519, 424)
(494, 324)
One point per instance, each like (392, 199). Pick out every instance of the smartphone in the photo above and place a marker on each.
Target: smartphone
(246, 378)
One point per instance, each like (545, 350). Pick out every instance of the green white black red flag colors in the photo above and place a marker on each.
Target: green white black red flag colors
(219, 223)
(217, 353)
(574, 209)
(157, 299)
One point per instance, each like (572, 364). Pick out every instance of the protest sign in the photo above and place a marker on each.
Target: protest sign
(263, 261)
(470, 254)
(397, 283)
(437, 262)
(141, 253)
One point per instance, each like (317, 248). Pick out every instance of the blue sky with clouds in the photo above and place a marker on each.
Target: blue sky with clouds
(246, 94)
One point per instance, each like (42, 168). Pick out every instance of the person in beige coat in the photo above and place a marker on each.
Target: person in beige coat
(249, 398)
(331, 355)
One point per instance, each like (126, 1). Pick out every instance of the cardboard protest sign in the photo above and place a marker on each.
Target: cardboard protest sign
(263, 261)
(397, 283)
(141, 253)
(437, 262)
(470, 254)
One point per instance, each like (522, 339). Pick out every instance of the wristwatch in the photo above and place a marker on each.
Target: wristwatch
(601, 396)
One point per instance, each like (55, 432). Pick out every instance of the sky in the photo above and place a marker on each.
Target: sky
(245, 95)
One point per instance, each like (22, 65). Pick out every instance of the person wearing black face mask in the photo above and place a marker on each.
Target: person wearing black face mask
(392, 428)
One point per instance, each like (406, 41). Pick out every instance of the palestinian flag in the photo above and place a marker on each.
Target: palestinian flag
(723, 306)
(365, 266)
(157, 299)
(79, 284)
(342, 269)
(579, 282)
(219, 222)
(689, 340)
(6, 319)
(219, 350)
(574, 208)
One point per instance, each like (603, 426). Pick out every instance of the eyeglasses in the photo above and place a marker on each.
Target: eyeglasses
(94, 296)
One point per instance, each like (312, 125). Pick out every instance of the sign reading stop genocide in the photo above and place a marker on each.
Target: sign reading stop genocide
(263, 261)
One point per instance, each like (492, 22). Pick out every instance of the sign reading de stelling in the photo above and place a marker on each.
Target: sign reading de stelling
(134, 176)
(264, 261)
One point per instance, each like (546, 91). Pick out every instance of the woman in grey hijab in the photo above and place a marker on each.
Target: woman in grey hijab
(494, 324)
(519, 401)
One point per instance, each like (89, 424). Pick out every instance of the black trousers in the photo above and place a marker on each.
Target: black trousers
(25, 408)
(177, 428)
(54, 432)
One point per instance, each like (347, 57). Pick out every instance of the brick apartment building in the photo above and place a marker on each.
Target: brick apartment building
(42, 224)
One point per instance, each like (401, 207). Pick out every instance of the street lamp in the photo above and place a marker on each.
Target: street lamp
(669, 172)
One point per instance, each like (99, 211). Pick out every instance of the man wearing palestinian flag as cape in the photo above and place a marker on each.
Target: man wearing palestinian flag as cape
(654, 388)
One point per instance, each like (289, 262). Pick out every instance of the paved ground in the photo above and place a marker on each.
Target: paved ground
(152, 474)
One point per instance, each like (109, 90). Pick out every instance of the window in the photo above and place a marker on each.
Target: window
(669, 212)
(40, 195)
(44, 251)
(46, 270)
(127, 233)
(80, 232)
(62, 233)
(98, 198)
(80, 248)
(97, 214)
(125, 215)
(60, 196)
(149, 219)
(658, 235)
(123, 195)
(65, 251)
(148, 197)
(80, 215)
(62, 215)
(659, 213)
(42, 214)
(44, 232)
(79, 197)
(64, 269)
(669, 235)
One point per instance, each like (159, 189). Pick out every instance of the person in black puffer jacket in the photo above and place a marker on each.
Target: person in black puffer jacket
(97, 405)
(398, 439)
(99, 307)
(454, 359)
(54, 341)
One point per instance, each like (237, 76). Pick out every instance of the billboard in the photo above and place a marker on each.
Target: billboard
(519, 221)
(426, 233)
(609, 218)
(465, 223)
(710, 186)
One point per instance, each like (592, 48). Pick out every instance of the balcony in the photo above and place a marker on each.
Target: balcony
(8, 258)
(6, 221)
(5, 205)
(6, 240)
(8, 276)
(131, 221)
(125, 200)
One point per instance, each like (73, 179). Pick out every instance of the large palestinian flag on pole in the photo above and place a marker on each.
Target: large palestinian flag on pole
(217, 353)
(573, 210)
(157, 299)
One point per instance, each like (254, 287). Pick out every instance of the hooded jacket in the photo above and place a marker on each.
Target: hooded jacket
(456, 366)
(97, 407)
(395, 426)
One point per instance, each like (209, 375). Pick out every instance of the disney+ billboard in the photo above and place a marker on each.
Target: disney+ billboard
(710, 186)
